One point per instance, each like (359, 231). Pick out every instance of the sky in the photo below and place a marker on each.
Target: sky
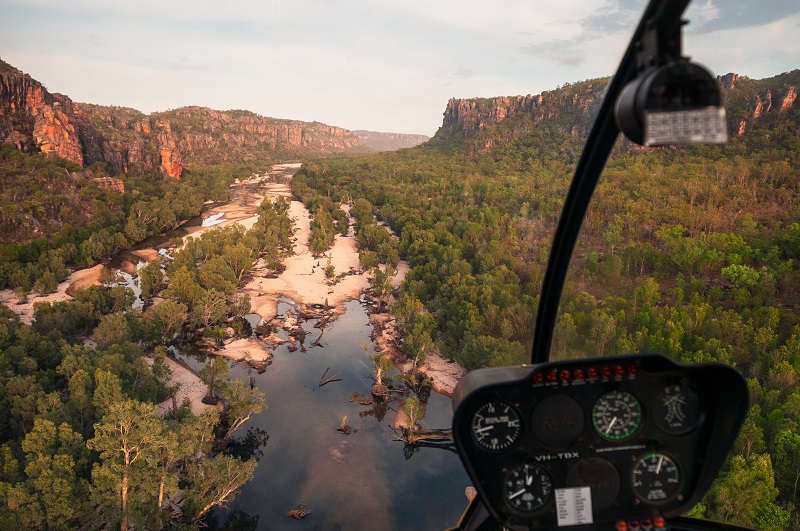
(380, 65)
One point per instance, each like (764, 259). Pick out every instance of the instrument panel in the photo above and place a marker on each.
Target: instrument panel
(592, 443)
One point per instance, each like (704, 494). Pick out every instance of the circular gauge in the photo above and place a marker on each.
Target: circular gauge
(656, 478)
(557, 421)
(527, 488)
(495, 426)
(598, 474)
(677, 409)
(616, 415)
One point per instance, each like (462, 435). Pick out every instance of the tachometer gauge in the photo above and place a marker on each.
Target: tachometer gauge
(677, 409)
(616, 415)
(495, 426)
(656, 478)
(527, 488)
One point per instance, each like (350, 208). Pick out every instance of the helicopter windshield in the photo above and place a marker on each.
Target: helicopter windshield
(220, 319)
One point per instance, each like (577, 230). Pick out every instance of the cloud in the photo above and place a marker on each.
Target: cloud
(565, 52)
(743, 14)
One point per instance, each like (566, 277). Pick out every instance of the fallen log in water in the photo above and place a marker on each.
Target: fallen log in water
(343, 427)
(300, 512)
(333, 378)
(442, 436)
(360, 399)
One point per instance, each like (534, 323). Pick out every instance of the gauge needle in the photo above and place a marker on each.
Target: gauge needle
(528, 479)
(515, 494)
(611, 425)
(658, 466)
(485, 428)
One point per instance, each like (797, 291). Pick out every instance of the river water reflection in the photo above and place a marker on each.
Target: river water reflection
(364, 480)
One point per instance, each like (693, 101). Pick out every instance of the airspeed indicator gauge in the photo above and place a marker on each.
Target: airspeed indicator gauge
(495, 426)
(616, 415)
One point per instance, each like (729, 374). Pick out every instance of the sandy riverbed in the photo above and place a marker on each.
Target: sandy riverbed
(302, 281)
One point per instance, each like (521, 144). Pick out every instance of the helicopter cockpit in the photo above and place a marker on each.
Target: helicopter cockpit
(628, 442)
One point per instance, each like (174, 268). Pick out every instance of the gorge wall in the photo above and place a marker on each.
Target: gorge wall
(574, 105)
(127, 140)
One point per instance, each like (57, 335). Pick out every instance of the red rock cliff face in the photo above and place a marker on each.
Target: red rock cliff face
(30, 116)
(463, 117)
(129, 141)
(780, 98)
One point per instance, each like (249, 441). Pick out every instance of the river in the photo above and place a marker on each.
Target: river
(364, 480)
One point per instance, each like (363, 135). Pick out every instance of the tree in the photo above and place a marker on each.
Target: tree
(216, 371)
(242, 402)
(413, 409)
(745, 491)
(210, 308)
(787, 462)
(240, 259)
(214, 482)
(151, 279)
(382, 366)
(113, 329)
(381, 282)
(126, 438)
(54, 456)
(166, 320)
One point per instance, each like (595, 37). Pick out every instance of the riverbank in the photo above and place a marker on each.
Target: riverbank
(303, 282)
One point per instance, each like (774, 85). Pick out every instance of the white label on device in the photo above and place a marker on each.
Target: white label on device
(574, 506)
(695, 126)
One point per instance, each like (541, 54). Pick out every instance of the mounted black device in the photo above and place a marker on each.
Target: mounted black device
(672, 100)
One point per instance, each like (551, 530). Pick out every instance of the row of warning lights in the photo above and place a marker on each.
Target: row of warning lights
(645, 524)
(579, 375)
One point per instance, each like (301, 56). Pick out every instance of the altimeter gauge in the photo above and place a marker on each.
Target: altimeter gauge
(616, 415)
(656, 478)
(527, 488)
(495, 426)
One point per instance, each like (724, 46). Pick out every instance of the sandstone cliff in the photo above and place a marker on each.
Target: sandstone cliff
(749, 101)
(573, 105)
(127, 140)
(31, 116)
(571, 108)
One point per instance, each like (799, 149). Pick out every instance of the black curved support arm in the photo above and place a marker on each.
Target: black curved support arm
(661, 23)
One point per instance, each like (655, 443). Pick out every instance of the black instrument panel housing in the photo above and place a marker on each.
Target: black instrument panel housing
(566, 444)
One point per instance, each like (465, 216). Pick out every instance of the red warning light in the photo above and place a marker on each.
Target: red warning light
(591, 373)
(578, 374)
(631, 369)
(564, 375)
(538, 378)
(605, 371)
(618, 370)
(552, 377)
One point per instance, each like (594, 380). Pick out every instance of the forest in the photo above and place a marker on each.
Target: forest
(691, 252)
(82, 442)
(687, 251)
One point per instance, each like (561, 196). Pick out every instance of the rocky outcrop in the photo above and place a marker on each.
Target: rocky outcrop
(576, 103)
(30, 116)
(750, 101)
(110, 183)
